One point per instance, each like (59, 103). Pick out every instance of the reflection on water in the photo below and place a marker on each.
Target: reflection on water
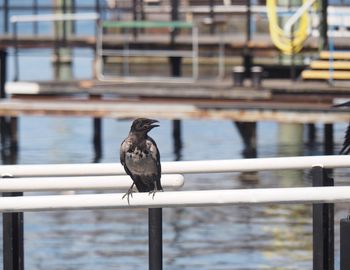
(230, 237)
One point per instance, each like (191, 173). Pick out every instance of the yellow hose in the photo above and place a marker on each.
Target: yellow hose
(282, 40)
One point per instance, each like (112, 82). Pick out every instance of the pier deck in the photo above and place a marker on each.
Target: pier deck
(275, 100)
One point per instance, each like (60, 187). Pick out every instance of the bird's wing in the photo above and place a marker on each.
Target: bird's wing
(124, 147)
(152, 146)
(346, 144)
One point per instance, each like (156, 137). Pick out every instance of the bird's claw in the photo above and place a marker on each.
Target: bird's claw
(153, 192)
(128, 194)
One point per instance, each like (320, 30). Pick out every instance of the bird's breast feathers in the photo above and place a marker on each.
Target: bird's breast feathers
(141, 159)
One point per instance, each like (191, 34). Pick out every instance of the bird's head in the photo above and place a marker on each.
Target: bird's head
(143, 125)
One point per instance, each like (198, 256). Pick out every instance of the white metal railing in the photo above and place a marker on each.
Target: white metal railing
(55, 17)
(108, 179)
(127, 53)
(176, 199)
(325, 192)
(79, 183)
(296, 16)
(183, 167)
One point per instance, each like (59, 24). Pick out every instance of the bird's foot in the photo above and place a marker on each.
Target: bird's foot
(128, 194)
(153, 192)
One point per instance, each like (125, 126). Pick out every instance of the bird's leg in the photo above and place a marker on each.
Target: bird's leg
(129, 193)
(153, 192)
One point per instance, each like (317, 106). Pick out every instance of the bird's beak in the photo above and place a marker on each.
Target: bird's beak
(152, 123)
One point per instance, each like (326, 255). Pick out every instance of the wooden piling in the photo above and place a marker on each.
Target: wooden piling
(328, 139)
(96, 133)
(247, 130)
(177, 139)
(311, 134)
(97, 138)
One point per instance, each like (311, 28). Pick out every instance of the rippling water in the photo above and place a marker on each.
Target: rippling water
(254, 237)
(230, 237)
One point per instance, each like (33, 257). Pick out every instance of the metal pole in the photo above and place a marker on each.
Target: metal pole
(324, 25)
(323, 225)
(345, 243)
(3, 56)
(35, 12)
(6, 16)
(15, 41)
(212, 17)
(247, 56)
(155, 234)
(13, 248)
(3, 72)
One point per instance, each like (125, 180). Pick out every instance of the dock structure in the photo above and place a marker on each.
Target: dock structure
(246, 100)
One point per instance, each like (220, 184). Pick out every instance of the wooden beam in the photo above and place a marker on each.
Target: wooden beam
(234, 111)
(325, 75)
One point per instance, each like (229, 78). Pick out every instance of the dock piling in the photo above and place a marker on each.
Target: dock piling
(311, 134)
(177, 139)
(323, 225)
(345, 243)
(97, 138)
(328, 139)
(247, 130)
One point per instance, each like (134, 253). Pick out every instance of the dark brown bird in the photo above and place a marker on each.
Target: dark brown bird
(140, 157)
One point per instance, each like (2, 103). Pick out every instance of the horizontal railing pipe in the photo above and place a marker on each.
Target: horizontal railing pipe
(177, 199)
(203, 166)
(79, 183)
(54, 17)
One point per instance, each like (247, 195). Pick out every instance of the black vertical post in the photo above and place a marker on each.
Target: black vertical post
(97, 6)
(135, 16)
(35, 12)
(3, 72)
(155, 241)
(292, 57)
(247, 56)
(247, 130)
(13, 130)
(212, 17)
(175, 67)
(64, 24)
(248, 21)
(324, 25)
(177, 139)
(97, 138)
(15, 45)
(311, 133)
(328, 139)
(345, 243)
(3, 58)
(323, 225)
(174, 17)
(6, 16)
(13, 249)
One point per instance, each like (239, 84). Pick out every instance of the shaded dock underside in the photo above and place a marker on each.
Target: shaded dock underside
(281, 101)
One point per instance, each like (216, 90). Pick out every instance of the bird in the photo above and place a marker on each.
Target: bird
(345, 150)
(140, 157)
